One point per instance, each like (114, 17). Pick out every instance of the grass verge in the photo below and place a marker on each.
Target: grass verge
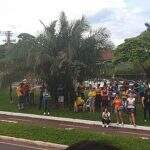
(67, 137)
(5, 105)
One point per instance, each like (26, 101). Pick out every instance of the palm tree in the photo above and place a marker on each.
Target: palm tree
(62, 53)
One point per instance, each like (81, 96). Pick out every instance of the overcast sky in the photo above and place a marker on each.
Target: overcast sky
(124, 18)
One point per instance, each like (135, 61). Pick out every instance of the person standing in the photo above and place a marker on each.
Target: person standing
(113, 90)
(92, 95)
(41, 97)
(10, 93)
(60, 94)
(124, 96)
(32, 94)
(104, 95)
(131, 108)
(146, 103)
(136, 87)
(118, 108)
(25, 91)
(80, 90)
(19, 93)
(46, 97)
(141, 90)
(147, 85)
(98, 97)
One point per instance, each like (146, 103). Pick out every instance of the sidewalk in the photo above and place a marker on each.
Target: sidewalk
(25, 143)
(89, 122)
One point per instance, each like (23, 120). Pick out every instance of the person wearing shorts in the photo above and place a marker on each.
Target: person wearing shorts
(118, 109)
(131, 108)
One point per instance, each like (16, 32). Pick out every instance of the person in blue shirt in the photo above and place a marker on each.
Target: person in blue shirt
(46, 97)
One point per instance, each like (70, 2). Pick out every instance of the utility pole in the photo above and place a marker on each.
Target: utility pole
(8, 35)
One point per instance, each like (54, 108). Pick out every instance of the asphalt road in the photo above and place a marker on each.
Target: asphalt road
(70, 126)
(16, 145)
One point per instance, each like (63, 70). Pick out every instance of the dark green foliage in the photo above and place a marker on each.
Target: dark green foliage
(61, 54)
(62, 136)
(136, 51)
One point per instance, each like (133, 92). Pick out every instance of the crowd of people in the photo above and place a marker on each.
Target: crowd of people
(25, 92)
(114, 98)
(107, 98)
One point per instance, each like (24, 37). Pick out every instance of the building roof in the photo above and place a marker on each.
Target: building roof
(106, 55)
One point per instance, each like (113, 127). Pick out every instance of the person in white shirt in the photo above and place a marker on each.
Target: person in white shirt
(131, 108)
(106, 118)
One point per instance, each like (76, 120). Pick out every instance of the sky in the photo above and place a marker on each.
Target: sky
(123, 18)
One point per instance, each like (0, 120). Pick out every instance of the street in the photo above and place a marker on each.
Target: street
(17, 145)
(72, 125)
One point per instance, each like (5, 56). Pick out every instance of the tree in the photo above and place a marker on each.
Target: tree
(136, 51)
(3, 51)
(61, 54)
(148, 26)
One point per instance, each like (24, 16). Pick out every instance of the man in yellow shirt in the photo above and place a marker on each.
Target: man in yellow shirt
(78, 104)
(92, 95)
(20, 96)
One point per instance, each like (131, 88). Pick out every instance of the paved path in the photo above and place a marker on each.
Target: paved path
(89, 122)
(17, 145)
(69, 124)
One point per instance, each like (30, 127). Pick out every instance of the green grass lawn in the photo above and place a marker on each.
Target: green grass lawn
(5, 105)
(67, 137)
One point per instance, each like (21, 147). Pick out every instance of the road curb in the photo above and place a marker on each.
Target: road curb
(89, 122)
(39, 143)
